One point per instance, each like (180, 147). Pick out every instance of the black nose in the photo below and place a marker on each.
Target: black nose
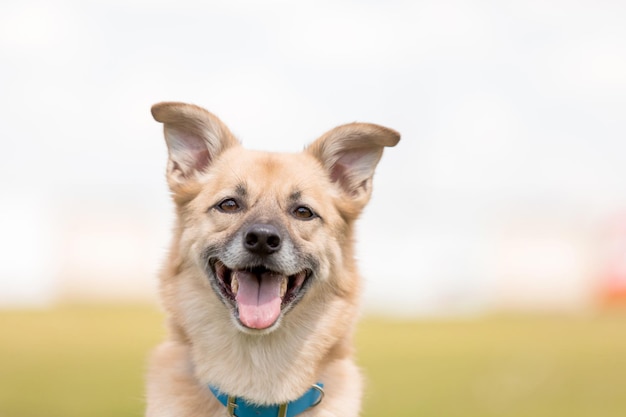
(262, 239)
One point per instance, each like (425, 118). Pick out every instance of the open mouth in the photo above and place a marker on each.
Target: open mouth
(258, 294)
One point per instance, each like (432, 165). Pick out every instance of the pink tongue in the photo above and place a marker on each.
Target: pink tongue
(258, 300)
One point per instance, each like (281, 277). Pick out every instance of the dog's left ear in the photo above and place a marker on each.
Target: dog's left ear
(350, 154)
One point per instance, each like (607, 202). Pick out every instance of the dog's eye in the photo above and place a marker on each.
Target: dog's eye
(229, 205)
(303, 213)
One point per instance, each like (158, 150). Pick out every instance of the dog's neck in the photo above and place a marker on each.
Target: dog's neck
(259, 376)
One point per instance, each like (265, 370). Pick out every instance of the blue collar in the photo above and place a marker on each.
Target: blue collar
(239, 407)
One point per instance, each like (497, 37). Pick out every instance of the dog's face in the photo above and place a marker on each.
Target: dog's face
(265, 229)
(268, 231)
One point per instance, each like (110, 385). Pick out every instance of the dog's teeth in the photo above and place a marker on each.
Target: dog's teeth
(283, 286)
(234, 284)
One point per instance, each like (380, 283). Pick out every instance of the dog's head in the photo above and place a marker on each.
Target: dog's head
(267, 231)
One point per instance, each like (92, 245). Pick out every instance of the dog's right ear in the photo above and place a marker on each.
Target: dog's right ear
(194, 139)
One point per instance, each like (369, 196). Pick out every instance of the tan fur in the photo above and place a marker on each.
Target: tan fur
(312, 340)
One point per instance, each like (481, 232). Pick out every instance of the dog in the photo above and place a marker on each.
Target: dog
(260, 287)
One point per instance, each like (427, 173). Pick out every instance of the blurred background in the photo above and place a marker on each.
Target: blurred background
(507, 190)
(507, 193)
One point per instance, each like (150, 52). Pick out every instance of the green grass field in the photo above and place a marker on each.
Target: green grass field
(89, 361)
